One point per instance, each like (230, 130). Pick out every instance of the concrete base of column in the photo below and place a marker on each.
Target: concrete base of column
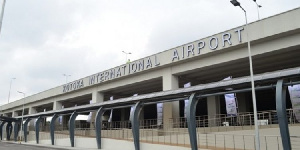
(170, 114)
(97, 97)
(213, 109)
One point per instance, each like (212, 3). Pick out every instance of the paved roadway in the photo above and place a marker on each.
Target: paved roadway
(14, 146)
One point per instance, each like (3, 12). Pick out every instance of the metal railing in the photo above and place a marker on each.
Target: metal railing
(212, 141)
(205, 124)
(220, 141)
(177, 133)
(265, 119)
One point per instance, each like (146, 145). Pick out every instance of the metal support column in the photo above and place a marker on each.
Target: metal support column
(52, 128)
(191, 120)
(1, 129)
(135, 124)
(98, 124)
(16, 130)
(37, 129)
(72, 127)
(25, 128)
(8, 130)
(281, 113)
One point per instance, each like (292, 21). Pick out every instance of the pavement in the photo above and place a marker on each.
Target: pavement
(17, 146)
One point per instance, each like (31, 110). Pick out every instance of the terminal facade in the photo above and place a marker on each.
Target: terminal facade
(275, 46)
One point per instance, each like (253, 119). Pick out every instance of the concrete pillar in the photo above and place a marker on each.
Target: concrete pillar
(32, 110)
(97, 97)
(15, 114)
(57, 105)
(213, 108)
(170, 109)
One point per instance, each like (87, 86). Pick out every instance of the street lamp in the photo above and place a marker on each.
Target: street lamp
(258, 6)
(2, 13)
(66, 75)
(257, 141)
(10, 88)
(20, 133)
(126, 54)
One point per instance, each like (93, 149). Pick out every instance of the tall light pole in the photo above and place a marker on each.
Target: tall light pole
(257, 141)
(10, 88)
(20, 133)
(126, 53)
(66, 75)
(1, 19)
(258, 6)
(2, 13)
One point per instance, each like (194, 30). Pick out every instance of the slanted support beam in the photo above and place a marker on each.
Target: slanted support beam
(72, 127)
(37, 129)
(8, 130)
(52, 128)
(191, 120)
(98, 124)
(135, 124)
(281, 113)
(25, 128)
(16, 130)
(1, 129)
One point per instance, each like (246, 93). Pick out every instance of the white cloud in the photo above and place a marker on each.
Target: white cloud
(41, 40)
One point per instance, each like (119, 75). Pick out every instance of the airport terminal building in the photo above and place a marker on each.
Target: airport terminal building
(201, 65)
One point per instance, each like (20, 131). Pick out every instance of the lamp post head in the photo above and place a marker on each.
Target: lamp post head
(126, 52)
(235, 3)
(20, 92)
(259, 6)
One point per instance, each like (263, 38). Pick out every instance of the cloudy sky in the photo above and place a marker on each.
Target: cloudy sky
(43, 39)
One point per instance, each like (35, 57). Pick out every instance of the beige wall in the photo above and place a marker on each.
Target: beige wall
(107, 144)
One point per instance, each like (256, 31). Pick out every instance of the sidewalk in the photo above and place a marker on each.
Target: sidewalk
(44, 146)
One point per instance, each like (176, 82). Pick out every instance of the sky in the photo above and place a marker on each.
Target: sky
(41, 40)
